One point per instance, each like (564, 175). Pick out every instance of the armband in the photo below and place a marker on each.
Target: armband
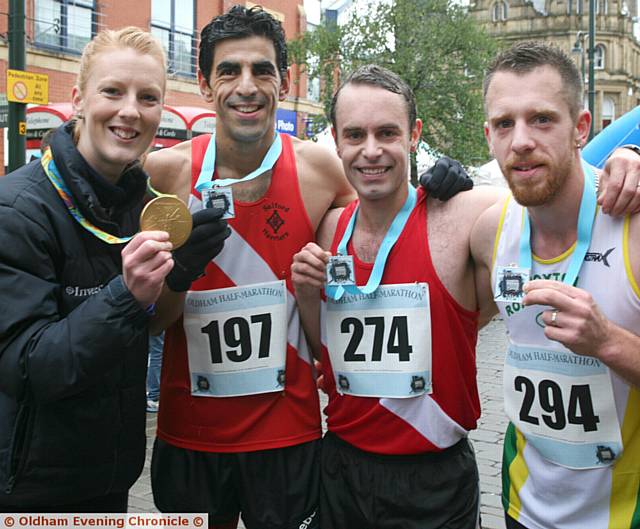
(631, 147)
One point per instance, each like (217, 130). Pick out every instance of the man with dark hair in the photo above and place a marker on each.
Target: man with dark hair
(237, 23)
(572, 367)
(402, 398)
(239, 426)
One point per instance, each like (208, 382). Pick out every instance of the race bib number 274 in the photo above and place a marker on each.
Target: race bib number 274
(380, 343)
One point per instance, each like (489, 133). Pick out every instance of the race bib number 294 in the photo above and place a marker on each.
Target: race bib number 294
(564, 405)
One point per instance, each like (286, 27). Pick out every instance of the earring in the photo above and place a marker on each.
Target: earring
(79, 116)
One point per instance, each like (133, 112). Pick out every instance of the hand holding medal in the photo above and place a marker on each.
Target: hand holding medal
(196, 240)
(308, 268)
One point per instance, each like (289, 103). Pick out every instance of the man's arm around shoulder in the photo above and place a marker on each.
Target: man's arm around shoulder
(483, 236)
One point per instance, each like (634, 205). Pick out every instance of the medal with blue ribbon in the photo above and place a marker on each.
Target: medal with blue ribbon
(390, 238)
(205, 181)
(586, 217)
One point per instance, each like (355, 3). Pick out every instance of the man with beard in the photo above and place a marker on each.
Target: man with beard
(565, 279)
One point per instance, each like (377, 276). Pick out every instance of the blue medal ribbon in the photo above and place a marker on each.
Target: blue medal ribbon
(586, 216)
(390, 238)
(209, 165)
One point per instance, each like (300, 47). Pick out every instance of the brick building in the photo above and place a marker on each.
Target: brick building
(57, 30)
(565, 23)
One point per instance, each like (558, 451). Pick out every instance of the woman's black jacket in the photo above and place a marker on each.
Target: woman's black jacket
(73, 340)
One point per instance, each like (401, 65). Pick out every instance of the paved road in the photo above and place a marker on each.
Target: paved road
(487, 439)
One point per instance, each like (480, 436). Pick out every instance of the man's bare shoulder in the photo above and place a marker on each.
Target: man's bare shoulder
(311, 151)
(323, 184)
(317, 161)
(468, 205)
(634, 227)
(484, 231)
(170, 169)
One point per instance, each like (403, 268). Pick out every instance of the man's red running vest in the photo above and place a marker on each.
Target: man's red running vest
(430, 422)
(266, 235)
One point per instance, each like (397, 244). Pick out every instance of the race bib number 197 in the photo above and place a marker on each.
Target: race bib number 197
(237, 339)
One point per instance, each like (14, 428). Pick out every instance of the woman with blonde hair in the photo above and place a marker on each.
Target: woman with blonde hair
(75, 303)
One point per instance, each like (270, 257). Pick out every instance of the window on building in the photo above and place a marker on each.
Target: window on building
(499, 11)
(578, 6)
(608, 111)
(173, 23)
(66, 25)
(602, 7)
(598, 57)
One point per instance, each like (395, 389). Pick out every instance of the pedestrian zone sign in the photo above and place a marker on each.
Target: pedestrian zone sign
(27, 87)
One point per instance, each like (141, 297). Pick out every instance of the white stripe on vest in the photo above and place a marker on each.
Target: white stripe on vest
(428, 418)
(255, 270)
(423, 413)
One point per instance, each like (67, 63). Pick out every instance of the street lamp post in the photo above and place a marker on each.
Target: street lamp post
(578, 47)
(17, 61)
(592, 77)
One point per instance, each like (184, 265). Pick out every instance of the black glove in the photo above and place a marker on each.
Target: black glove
(205, 242)
(445, 179)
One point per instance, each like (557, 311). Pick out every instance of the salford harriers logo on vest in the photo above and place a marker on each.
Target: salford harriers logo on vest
(597, 257)
(275, 221)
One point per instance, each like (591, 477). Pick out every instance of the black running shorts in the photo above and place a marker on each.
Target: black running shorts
(372, 491)
(271, 489)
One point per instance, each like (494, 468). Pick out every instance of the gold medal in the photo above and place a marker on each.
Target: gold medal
(170, 214)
